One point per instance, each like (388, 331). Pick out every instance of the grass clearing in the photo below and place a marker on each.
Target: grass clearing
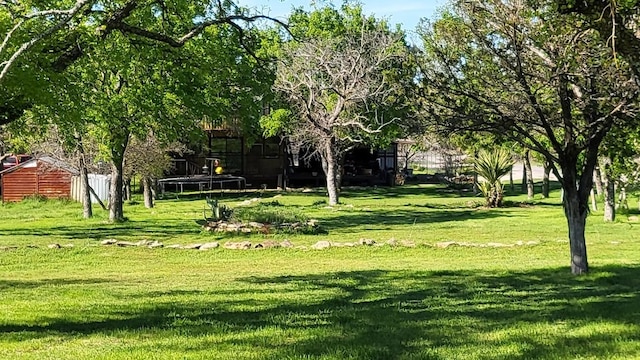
(99, 302)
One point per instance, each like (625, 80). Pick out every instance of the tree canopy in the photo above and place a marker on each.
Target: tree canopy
(532, 76)
(41, 39)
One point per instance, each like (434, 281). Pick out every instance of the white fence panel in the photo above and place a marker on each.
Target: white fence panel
(99, 184)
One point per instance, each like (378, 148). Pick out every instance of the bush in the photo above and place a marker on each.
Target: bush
(267, 214)
(492, 165)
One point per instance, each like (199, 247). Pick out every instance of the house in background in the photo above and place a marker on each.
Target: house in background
(362, 166)
(44, 176)
(271, 162)
(260, 161)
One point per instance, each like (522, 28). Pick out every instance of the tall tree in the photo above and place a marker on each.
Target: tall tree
(523, 71)
(342, 89)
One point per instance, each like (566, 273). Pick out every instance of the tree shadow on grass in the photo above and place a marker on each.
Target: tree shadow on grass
(541, 314)
(129, 229)
(53, 282)
(411, 191)
(384, 219)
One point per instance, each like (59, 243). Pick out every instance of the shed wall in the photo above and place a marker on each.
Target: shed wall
(40, 180)
(18, 184)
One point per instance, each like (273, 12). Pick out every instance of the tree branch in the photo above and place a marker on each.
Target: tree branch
(67, 16)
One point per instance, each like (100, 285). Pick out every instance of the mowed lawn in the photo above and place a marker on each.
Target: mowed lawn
(92, 301)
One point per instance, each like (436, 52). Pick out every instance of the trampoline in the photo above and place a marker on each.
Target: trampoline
(204, 182)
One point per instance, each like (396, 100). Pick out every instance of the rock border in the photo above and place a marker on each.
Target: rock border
(286, 244)
(256, 227)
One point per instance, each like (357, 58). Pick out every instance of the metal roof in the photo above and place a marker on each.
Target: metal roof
(47, 159)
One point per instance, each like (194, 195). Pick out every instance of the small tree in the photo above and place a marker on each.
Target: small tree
(148, 158)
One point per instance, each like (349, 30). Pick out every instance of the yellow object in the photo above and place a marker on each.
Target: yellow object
(219, 170)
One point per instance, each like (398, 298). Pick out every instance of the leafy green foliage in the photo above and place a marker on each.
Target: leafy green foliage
(276, 122)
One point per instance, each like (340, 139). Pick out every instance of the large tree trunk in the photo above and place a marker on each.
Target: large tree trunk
(116, 210)
(545, 180)
(576, 219)
(576, 188)
(529, 175)
(87, 210)
(147, 186)
(330, 166)
(119, 145)
(609, 190)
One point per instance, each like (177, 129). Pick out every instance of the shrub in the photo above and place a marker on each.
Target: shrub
(492, 166)
(267, 214)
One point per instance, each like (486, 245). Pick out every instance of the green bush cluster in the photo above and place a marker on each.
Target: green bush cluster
(268, 213)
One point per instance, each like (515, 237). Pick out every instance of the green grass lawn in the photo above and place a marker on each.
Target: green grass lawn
(104, 302)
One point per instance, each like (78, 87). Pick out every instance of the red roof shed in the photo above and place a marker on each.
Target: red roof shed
(44, 176)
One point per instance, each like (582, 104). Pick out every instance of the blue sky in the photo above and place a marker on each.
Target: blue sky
(404, 12)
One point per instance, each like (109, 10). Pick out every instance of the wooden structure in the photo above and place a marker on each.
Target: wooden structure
(262, 161)
(44, 176)
(272, 163)
(362, 166)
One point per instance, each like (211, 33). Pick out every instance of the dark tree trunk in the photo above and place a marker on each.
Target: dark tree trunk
(545, 180)
(511, 185)
(147, 186)
(576, 214)
(127, 189)
(87, 210)
(529, 175)
(116, 211)
(576, 187)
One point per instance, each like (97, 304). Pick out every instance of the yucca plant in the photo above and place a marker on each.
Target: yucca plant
(491, 166)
